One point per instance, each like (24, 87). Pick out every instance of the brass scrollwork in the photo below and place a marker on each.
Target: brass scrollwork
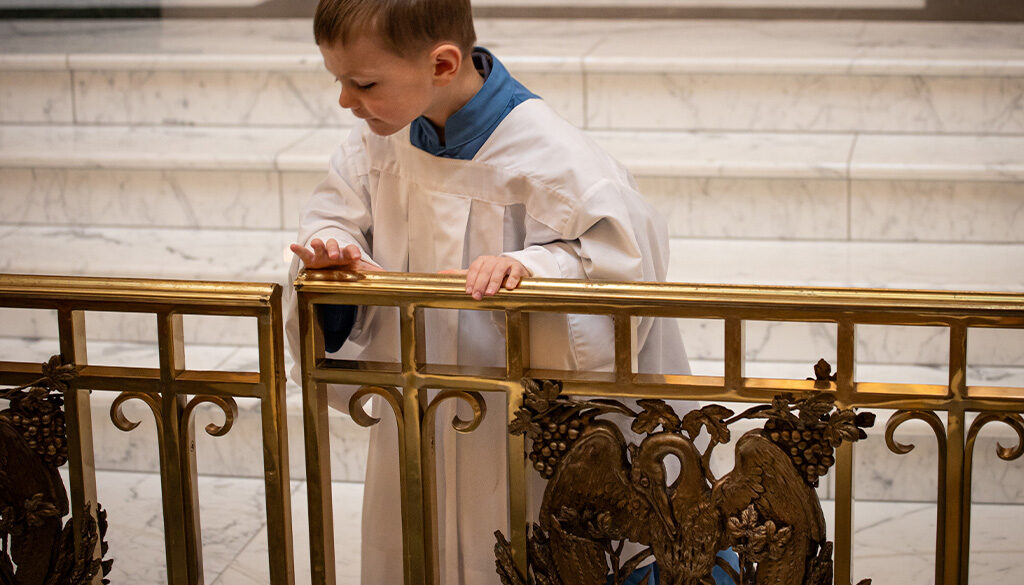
(122, 422)
(474, 399)
(933, 420)
(227, 405)
(361, 417)
(903, 416)
(1012, 420)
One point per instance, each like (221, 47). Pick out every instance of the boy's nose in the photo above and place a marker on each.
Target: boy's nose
(345, 100)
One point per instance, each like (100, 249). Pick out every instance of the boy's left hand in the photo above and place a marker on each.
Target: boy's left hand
(487, 273)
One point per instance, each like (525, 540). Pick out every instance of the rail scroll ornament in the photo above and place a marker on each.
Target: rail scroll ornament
(36, 547)
(603, 491)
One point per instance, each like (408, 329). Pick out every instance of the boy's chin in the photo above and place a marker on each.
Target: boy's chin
(381, 128)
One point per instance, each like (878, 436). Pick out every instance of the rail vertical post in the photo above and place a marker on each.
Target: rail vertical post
(275, 443)
(318, 447)
(78, 416)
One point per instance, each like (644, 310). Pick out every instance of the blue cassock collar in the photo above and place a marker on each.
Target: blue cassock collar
(469, 128)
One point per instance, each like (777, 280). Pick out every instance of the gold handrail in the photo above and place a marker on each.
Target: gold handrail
(847, 308)
(172, 391)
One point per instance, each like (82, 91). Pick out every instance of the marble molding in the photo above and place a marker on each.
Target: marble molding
(35, 97)
(953, 158)
(782, 102)
(145, 147)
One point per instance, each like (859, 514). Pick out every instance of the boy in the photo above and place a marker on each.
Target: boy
(455, 165)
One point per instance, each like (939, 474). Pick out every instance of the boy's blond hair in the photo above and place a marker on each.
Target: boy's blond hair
(405, 26)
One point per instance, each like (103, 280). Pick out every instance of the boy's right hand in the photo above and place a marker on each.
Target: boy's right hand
(331, 255)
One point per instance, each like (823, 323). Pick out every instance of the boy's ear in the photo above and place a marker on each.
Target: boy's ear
(446, 59)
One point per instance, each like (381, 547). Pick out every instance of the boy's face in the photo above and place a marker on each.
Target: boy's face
(385, 89)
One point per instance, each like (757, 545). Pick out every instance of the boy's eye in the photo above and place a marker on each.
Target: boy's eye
(365, 86)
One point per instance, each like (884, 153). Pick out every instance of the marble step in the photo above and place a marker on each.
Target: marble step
(877, 187)
(948, 78)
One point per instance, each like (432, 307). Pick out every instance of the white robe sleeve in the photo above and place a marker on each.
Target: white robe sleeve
(340, 207)
(611, 235)
(606, 238)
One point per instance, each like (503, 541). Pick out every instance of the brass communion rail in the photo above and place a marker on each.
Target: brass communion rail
(172, 392)
(404, 386)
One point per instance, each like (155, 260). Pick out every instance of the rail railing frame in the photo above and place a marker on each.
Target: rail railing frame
(846, 308)
(167, 391)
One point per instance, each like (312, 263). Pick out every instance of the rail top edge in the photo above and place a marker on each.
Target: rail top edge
(43, 289)
(646, 294)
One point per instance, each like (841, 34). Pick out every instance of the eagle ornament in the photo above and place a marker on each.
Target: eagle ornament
(604, 490)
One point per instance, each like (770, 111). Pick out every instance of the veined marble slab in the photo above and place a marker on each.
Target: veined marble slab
(141, 198)
(224, 97)
(810, 47)
(931, 210)
(804, 103)
(37, 96)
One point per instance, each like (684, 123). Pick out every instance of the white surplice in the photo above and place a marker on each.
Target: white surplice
(540, 191)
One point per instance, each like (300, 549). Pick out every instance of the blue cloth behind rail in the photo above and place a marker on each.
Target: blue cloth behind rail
(719, 574)
(336, 321)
